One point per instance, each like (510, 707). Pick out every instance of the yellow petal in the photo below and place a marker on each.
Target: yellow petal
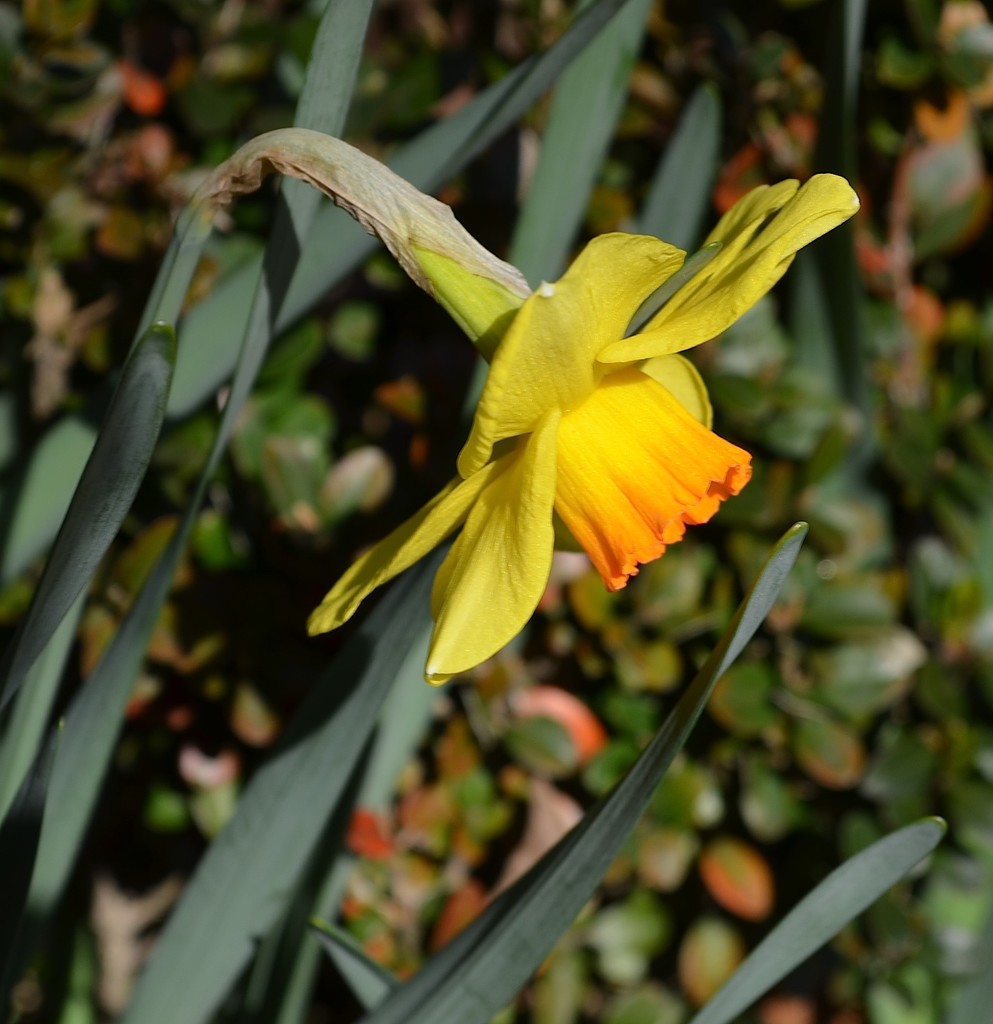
(751, 210)
(492, 579)
(547, 359)
(683, 380)
(756, 253)
(483, 307)
(396, 552)
(407, 221)
(634, 468)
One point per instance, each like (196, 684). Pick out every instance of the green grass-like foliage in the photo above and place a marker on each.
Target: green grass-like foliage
(235, 947)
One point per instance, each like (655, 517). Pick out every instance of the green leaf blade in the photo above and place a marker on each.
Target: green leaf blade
(483, 967)
(94, 719)
(34, 497)
(585, 108)
(820, 915)
(19, 835)
(827, 319)
(106, 489)
(369, 982)
(680, 194)
(249, 871)
(28, 717)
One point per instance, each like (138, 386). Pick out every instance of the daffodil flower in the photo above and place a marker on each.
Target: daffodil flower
(578, 420)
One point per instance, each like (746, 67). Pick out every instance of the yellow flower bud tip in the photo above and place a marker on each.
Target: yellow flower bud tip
(609, 432)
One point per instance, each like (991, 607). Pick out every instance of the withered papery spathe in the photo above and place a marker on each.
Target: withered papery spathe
(414, 227)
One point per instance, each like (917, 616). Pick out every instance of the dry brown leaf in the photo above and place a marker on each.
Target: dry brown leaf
(551, 813)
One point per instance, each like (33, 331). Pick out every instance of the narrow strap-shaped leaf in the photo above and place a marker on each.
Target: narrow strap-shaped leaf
(336, 245)
(587, 102)
(90, 731)
(115, 468)
(189, 237)
(36, 492)
(91, 726)
(94, 718)
(679, 198)
(323, 106)
(273, 971)
(70, 442)
(249, 872)
(826, 278)
(402, 720)
(8, 429)
(836, 137)
(975, 998)
(821, 914)
(333, 66)
(28, 716)
(695, 262)
(484, 965)
(811, 322)
(369, 982)
(18, 844)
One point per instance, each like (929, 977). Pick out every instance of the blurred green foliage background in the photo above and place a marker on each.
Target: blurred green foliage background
(866, 702)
